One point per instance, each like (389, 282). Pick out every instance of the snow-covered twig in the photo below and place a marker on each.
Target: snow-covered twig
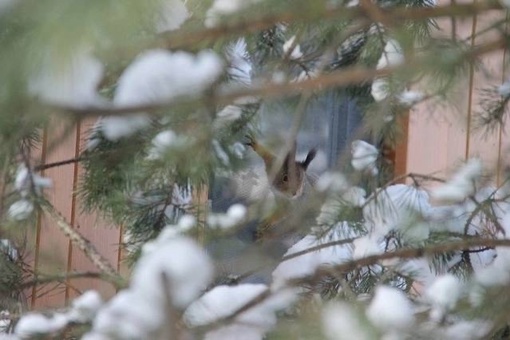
(404, 253)
(258, 299)
(353, 75)
(414, 176)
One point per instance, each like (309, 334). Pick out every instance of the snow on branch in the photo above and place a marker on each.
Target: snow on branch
(159, 76)
(461, 185)
(74, 83)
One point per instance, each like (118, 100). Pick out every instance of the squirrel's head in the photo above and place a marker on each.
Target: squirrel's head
(290, 178)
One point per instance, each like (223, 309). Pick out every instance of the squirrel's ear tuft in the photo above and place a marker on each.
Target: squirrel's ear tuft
(249, 140)
(309, 158)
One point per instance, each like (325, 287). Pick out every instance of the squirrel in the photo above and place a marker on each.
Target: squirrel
(290, 179)
(268, 231)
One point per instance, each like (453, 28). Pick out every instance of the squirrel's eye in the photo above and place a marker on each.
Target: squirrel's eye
(285, 178)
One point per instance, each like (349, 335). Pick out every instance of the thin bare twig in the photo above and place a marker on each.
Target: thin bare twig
(40, 279)
(317, 248)
(59, 163)
(82, 243)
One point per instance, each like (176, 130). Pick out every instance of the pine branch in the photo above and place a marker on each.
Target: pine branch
(39, 279)
(481, 250)
(244, 25)
(42, 167)
(352, 265)
(170, 328)
(353, 75)
(82, 243)
(405, 253)
(266, 294)
(414, 176)
(345, 77)
(317, 248)
(375, 13)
